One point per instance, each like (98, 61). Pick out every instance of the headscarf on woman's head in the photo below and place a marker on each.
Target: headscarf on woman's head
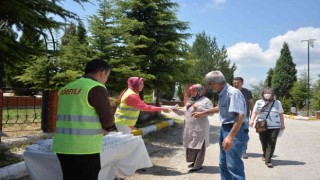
(200, 93)
(133, 83)
(267, 89)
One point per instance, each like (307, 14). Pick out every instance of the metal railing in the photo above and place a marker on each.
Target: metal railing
(21, 109)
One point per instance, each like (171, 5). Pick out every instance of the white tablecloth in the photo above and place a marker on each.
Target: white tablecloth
(122, 155)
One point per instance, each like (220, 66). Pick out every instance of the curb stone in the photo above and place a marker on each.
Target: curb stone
(299, 117)
(14, 171)
(146, 130)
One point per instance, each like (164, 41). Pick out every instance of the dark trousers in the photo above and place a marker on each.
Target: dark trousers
(268, 141)
(80, 167)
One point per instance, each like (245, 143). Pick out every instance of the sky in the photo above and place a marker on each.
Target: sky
(253, 31)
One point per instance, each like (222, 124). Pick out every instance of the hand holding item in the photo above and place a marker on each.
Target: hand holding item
(166, 110)
(175, 108)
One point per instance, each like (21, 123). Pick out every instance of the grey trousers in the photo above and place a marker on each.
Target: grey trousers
(196, 156)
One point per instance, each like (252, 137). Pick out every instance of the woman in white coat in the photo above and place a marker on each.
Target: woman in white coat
(196, 131)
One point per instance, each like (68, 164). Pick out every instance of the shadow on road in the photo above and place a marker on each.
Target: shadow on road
(257, 155)
(210, 170)
(161, 171)
(287, 163)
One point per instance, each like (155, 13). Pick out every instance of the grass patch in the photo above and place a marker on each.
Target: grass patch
(8, 160)
(15, 116)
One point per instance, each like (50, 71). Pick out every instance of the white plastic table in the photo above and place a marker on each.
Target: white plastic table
(122, 155)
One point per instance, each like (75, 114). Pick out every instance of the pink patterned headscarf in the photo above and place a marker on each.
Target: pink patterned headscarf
(200, 93)
(134, 83)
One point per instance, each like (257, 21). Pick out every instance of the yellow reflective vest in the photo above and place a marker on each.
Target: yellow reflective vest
(126, 115)
(78, 127)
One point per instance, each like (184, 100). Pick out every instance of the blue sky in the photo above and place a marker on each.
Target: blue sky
(252, 30)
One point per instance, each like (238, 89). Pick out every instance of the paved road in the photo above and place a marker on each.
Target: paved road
(297, 156)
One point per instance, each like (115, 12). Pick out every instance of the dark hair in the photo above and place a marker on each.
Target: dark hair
(238, 79)
(95, 66)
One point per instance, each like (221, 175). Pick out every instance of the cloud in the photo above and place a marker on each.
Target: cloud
(254, 62)
(215, 4)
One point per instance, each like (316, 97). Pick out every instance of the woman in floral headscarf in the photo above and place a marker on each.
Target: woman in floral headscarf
(130, 105)
(196, 131)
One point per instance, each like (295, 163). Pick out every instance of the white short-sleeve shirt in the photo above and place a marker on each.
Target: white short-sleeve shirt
(273, 120)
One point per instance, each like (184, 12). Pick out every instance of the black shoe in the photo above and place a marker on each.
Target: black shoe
(191, 165)
(141, 170)
(195, 170)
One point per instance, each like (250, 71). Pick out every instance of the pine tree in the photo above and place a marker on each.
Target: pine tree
(108, 43)
(284, 73)
(299, 90)
(26, 16)
(210, 57)
(64, 68)
(315, 100)
(155, 37)
(268, 81)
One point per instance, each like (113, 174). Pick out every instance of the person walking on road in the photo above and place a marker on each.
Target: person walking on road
(130, 105)
(238, 83)
(196, 130)
(275, 122)
(84, 116)
(232, 108)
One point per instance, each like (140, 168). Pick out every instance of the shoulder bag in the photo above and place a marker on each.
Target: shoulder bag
(261, 124)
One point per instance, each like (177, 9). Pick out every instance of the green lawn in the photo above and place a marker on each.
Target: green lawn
(21, 116)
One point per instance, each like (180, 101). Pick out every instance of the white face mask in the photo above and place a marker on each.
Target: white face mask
(267, 96)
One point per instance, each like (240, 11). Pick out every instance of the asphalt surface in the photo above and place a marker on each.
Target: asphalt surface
(297, 156)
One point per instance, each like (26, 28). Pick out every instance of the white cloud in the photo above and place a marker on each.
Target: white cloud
(215, 4)
(253, 62)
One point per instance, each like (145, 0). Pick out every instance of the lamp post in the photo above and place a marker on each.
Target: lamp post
(310, 44)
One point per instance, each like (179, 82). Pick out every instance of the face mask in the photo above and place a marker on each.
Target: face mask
(267, 96)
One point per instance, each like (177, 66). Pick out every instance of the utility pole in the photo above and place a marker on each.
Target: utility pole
(310, 44)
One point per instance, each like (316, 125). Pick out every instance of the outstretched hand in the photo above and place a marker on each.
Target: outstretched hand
(166, 110)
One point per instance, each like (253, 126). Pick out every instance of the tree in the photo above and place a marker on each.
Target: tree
(64, 67)
(108, 43)
(299, 90)
(284, 73)
(285, 105)
(315, 101)
(209, 57)
(268, 81)
(257, 90)
(30, 17)
(12, 70)
(155, 37)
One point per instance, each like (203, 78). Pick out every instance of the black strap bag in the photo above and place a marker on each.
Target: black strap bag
(261, 123)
